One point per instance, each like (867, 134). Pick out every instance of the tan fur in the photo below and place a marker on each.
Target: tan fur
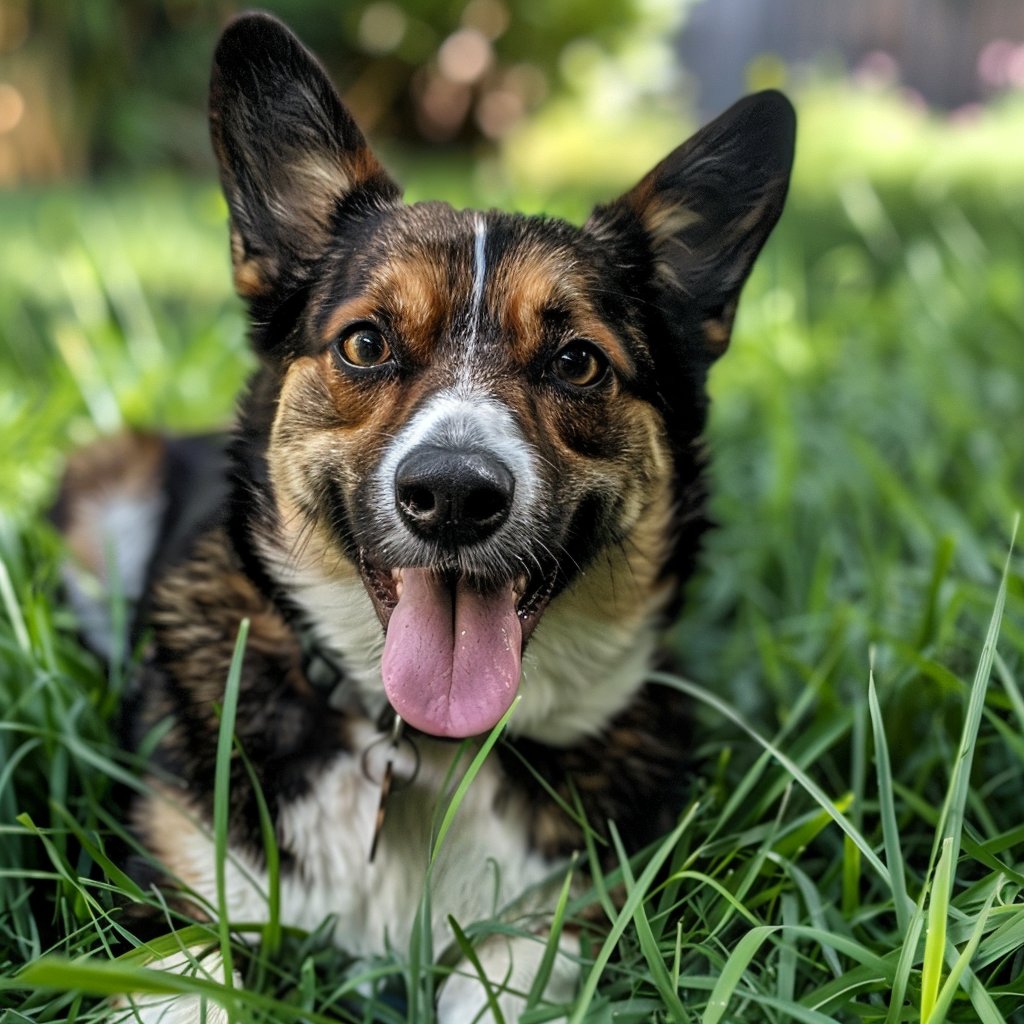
(172, 827)
(718, 331)
(253, 276)
(536, 280)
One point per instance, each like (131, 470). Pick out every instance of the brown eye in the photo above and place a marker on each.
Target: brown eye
(580, 364)
(363, 348)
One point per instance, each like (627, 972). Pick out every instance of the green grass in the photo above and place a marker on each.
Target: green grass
(853, 849)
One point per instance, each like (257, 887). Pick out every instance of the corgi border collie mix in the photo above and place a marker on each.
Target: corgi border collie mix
(467, 469)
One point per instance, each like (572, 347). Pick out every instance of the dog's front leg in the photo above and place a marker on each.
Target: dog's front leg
(510, 964)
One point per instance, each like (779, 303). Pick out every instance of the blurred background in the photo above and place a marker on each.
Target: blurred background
(118, 86)
(873, 398)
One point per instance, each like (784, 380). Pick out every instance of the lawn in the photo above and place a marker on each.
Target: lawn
(854, 641)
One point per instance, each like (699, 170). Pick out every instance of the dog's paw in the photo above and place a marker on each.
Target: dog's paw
(140, 1008)
(151, 1009)
(463, 1001)
(510, 966)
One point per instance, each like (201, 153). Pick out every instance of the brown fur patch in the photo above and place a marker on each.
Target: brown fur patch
(199, 610)
(417, 295)
(253, 276)
(535, 280)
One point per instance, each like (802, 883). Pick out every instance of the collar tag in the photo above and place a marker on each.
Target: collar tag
(388, 783)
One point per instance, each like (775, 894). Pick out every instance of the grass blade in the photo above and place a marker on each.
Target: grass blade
(951, 821)
(659, 973)
(625, 915)
(905, 966)
(13, 609)
(469, 954)
(945, 998)
(935, 935)
(547, 961)
(467, 779)
(115, 977)
(733, 971)
(222, 795)
(700, 694)
(887, 811)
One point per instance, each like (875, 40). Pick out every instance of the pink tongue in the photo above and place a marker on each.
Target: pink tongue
(451, 661)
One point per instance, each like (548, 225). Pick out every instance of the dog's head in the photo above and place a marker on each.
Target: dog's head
(478, 428)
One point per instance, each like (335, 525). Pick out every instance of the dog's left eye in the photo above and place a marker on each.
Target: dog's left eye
(363, 348)
(581, 364)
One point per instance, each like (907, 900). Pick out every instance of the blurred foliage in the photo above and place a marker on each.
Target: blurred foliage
(122, 83)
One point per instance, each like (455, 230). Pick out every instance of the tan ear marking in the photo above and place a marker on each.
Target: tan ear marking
(754, 217)
(253, 275)
(664, 221)
(716, 334)
(251, 279)
(717, 330)
(305, 191)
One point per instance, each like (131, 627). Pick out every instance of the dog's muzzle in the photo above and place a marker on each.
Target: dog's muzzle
(455, 570)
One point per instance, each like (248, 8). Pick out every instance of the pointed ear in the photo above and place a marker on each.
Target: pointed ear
(705, 212)
(289, 154)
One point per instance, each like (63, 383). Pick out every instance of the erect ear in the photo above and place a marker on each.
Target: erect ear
(705, 212)
(289, 154)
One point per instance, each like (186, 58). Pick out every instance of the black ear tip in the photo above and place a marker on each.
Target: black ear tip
(776, 110)
(767, 121)
(253, 35)
(773, 99)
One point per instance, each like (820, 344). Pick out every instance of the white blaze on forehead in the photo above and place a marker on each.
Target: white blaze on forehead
(479, 265)
(476, 300)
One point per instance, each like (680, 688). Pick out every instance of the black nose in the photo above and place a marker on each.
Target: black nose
(451, 496)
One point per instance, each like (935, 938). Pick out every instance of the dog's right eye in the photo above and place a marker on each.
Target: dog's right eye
(580, 364)
(363, 348)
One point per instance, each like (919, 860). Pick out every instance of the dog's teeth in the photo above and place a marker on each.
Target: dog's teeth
(519, 587)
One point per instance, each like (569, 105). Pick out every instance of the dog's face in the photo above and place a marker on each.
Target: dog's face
(478, 427)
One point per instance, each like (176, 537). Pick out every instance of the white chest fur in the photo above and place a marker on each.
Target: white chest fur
(484, 863)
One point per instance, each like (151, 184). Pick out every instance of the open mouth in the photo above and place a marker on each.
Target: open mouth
(453, 651)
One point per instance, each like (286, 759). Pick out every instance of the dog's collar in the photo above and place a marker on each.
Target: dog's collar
(325, 673)
(321, 670)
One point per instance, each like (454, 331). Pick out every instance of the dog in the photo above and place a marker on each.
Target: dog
(465, 489)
